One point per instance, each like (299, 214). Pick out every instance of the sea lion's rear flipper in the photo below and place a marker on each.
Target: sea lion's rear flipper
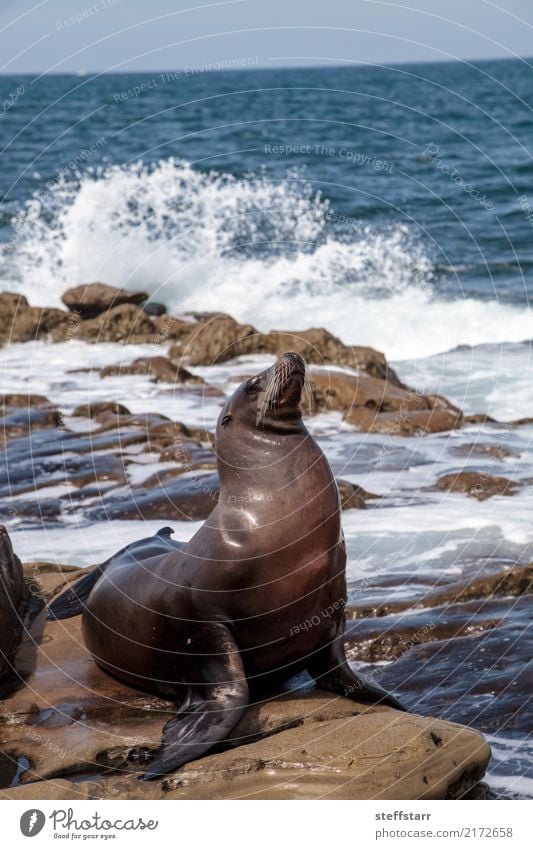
(73, 601)
(213, 708)
(331, 671)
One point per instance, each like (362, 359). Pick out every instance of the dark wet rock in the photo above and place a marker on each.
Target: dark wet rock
(353, 495)
(29, 474)
(47, 443)
(71, 721)
(91, 299)
(215, 338)
(477, 484)
(189, 454)
(32, 512)
(165, 434)
(154, 308)
(482, 449)
(157, 368)
(387, 638)
(99, 408)
(484, 679)
(514, 581)
(140, 420)
(12, 596)
(23, 420)
(51, 457)
(189, 497)
(19, 322)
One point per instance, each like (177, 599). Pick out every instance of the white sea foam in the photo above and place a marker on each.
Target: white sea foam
(260, 249)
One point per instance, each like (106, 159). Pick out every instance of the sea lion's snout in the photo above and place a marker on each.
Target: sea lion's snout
(285, 382)
(293, 362)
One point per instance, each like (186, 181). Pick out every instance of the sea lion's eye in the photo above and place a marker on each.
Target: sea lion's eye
(226, 420)
(253, 386)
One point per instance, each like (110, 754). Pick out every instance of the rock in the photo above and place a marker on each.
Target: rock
(404, 423)
(125, 323)
(379, 406)
(484, 679)
(21, 323)
(477, 484)
(387, 638)
(189, 454)
(98, 408)
(371, 756)
(353, 495)
(514, 581)
(10, 400)
(12, 595)
(91, 299)
(320, 347)
(23, 420)
(482, 449)
(337, 390)
(479, 418)
(71, 721)
(158, 368)
(215, 338)
(154, 309)
(187, 498)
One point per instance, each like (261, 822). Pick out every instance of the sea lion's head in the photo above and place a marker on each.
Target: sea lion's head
(269, 401)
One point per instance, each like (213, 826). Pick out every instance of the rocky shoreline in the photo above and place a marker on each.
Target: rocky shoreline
(61, 462)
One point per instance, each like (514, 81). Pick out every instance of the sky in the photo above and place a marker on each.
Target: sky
(57, 36)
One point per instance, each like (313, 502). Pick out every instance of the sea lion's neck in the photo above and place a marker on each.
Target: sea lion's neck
(267, 461)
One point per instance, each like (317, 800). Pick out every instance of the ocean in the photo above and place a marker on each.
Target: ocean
(391, 205)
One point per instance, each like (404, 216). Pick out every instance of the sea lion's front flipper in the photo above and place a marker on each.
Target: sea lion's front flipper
(214, 707)
(331, 671)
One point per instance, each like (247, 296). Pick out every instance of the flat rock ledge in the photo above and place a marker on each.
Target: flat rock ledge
(69, 731)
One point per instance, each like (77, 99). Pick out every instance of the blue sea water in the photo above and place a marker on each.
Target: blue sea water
(391, 202)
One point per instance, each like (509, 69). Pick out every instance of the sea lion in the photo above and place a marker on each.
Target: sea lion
(254, 597)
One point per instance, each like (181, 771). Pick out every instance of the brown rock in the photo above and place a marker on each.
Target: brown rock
(71, 719)
(215, 338)
(319, 346)
(98, 408)
(12, 399)
(21, 323)
(158, 368)
(337, 390)
(477, 484)
(404, 423)
(386, 755)
(125, 323)
(353, 495)
(91, 299)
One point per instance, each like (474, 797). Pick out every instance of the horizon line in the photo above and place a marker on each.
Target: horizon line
(250, 69)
